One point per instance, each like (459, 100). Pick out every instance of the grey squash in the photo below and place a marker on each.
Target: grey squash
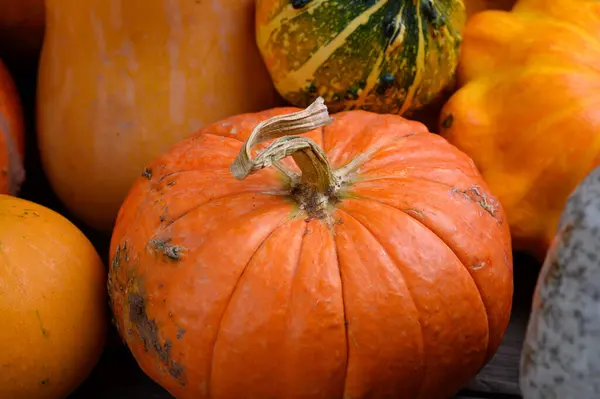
(561, 352)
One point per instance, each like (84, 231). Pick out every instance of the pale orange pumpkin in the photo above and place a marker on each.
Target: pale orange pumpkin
(12, 135)
(52, 303)
(379, 266)
(121, 81)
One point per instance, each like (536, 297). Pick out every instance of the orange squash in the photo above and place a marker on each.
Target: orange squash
(12, 140)
(21, 29)
(52, 303)
(475, 6)
(377, 265)
(527, 112)
(121, 81)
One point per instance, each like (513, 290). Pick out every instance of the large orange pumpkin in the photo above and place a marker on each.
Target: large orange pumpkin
(527, 110)
(121, 81)
(381, 267)
(52, 303)
(12, 140)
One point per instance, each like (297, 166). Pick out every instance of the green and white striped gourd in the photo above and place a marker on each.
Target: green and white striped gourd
(387, 56)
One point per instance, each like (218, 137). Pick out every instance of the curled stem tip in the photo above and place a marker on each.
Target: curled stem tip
(310, 158)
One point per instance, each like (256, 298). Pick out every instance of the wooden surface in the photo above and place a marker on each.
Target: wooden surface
(117, 376)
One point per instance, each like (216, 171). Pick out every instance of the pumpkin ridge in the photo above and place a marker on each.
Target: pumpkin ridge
(391, 258)
(212, 202)
(339, 266)
(489, 208)
(451, 249)
(218, 135)
(392, 177)
(226, 307)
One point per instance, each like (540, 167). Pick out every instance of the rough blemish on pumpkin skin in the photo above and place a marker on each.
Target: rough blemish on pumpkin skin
(172, 252)
(480, 265)
(474, 194)
(148, 333)
(164, 215)
(415, 212)
(147, 173)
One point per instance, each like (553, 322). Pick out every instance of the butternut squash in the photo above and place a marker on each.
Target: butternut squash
(121, 81)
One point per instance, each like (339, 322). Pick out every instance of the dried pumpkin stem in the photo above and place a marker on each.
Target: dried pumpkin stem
(310, 158)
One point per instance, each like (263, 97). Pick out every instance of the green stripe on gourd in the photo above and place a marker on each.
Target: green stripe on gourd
(385, 56)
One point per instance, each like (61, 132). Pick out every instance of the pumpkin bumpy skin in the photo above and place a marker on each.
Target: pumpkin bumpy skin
(386, 56)
(561, 356)
(526, 111)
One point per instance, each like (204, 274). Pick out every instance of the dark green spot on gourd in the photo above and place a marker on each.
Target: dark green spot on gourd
(386, 81)
(447, 122)
(352, 93)
(298, 4)
(389, 27)
(432, 15)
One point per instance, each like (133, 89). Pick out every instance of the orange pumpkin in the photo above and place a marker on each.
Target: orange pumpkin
(21, 29)
(12, 140)
(121, 81)
(377, 266)
(526, 111)
(475, 6)
(52, 303)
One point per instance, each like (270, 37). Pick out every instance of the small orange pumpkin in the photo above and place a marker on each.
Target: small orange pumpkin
(377, 266)
(52, 303)
(12, 140)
